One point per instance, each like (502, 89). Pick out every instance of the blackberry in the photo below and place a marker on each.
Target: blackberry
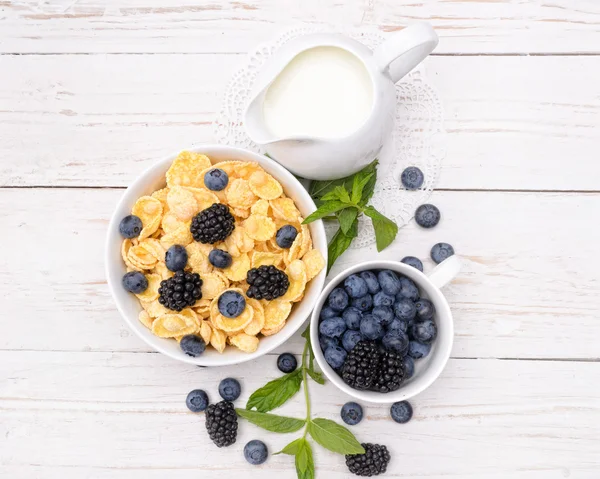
(221, 423)
(390, 374)
(212, 224)
(266, 282)
(361, 366)
(180, 291)
(372, 463)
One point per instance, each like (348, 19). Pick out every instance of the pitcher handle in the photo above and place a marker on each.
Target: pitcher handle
(406, 49)
(445, 272)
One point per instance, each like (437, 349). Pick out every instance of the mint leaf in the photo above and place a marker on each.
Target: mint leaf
(316, 376)
(346, 217)
(275, 393)
(385, 228)
(338, 244)
(319, 188)
(360, 180)
(271, 422)
(369, 187)
(292, 448)
(311, 354)
(338, 193)
(334, 437)
(324, 210)
(305, 465)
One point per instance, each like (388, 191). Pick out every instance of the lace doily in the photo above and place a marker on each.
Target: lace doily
(418, 138)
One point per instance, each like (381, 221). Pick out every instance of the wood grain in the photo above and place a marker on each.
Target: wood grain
(194, 26)
(79, 120)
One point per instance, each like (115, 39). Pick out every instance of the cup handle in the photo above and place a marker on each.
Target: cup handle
(406, 49)
(446, 271)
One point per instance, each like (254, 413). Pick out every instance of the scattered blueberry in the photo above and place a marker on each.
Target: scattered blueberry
(332, 327)
(231, 304)
(355, 286)
(338, 299)
(220, 259)
(397, 325)
(396, 341)
(409, 367)
(370, 328)
(350, 339)
(425, 309)
(176, 258)
(423, 331)
(135, 282)
(192, 345)
(327, 342)
(389, 282)
(230, 389)
(408, 289)
(371, 280)
(383, 314)
(364, 303)
(130, 226)
(285, 236)
(216, 179)
(441, 251)
(256, 452)
(414, 262)
(287, 363)
(418, 350)
(427, 216)
(401, 412)
(196, 400)
(335, 356)
(351, 413)
(327, 313)
(412, 178)
(405, 309)
(382, 299)
(352, 316)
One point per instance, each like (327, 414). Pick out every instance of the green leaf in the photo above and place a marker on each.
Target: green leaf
(316, 376)
(369, 187)
(292, 448)
(311, 354)
(334, 437)
(305, 465)
(340, 243)
(385, 229)
(275, 393)
(338, 193)
(360, 180)
(346, 217)
(324, 210)
(272, 422)
(319, 188)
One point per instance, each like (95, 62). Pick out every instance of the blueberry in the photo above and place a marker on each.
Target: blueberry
(427, 216)
(327, 313)
(382, 299)
(326, 342)
(409, 367)
(441, 251)
(256, 452)
(425, 309)
(396, 341)
(389, 282)
(285, 236)
(383, 314)
(401, 412)
(230, 389)
(364, 303)
(352, 316)
(397, 325)
(412, 178)
(412, 261)
(176, 258)
(287, 363)
(405, 309)
(351, 339)
(418, 350)
(135, 282)
(355, 286)
(371, 280)
(231, 304)
(196, 400)
(130, 226)
(408, 289)
(192, 345)
(423, 331)
(370, 328)
(332, 327)
(216, 179)
(338, 299)
(335, 356)
(219, 258)
(351, 413)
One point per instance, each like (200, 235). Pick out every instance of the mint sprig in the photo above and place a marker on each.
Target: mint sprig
(324, 432)
(344, 200)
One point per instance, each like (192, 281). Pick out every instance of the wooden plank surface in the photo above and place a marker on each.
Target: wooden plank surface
(195, 26)
(98, 120)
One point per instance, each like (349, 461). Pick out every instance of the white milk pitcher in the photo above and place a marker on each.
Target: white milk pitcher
(324, 104)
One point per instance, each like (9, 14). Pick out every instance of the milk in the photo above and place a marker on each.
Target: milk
(323, 92)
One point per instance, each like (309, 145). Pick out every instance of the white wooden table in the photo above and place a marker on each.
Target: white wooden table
(92, 92)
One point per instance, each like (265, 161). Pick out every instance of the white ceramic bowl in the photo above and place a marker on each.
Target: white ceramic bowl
(128, 305)
(427, 369)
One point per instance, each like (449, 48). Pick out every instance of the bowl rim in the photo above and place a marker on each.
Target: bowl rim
(145, 177)
(443, 347)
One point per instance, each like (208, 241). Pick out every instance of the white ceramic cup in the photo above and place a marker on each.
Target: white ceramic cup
(129, 306)
(426, 369)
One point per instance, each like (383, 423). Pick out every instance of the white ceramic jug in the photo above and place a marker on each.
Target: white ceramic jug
(328, 158)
